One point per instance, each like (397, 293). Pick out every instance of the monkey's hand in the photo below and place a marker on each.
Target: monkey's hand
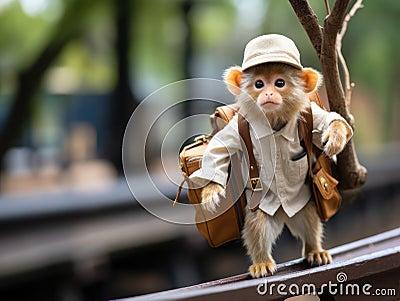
(210, 196)
(334, 139)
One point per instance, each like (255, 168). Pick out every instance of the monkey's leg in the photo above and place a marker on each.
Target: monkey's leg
(259, 235)
(307, 225)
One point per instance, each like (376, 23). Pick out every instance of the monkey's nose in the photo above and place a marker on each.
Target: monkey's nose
(269, 93)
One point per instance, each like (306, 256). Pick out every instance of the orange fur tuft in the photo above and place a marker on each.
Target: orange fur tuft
(233, 78)
(312, 79)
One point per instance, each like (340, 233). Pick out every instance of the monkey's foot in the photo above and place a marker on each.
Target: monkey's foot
(262, 269)
(317, 258)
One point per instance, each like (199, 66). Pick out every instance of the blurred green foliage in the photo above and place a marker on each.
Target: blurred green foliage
(220, 29)
(23, 36)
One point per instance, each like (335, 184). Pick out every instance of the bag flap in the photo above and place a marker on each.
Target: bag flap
(222, 116)
(191, 156)
(325, 183)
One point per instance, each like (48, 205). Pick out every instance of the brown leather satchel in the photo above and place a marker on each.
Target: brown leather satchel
(324, 186)
(226, 224)
(326, 194)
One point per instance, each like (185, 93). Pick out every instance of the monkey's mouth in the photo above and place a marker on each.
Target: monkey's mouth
(269, 104)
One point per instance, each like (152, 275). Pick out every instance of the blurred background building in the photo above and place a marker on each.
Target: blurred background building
(71, 74)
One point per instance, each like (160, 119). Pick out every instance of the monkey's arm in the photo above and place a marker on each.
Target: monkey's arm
(213, 174)
(331, 132)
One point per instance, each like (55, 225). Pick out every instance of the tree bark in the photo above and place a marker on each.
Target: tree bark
(309, 21)
(350, 172)
(188, 51)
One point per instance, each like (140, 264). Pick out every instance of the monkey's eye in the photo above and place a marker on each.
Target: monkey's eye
(280, 83)
(259, 84)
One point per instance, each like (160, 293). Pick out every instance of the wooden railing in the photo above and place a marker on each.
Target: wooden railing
(361, 270)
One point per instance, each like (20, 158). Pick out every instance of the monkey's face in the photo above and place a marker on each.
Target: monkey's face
(277, 88)
(267, 91)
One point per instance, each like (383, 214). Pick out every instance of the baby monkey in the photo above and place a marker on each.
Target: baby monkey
(272, 80)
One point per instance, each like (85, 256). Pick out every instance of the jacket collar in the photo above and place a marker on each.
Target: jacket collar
(289, 131)
(256, 118)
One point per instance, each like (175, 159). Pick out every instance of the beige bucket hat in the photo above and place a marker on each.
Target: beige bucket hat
(271, 48)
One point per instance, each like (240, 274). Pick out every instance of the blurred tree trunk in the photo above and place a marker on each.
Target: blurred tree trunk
(187, 6)
(350, 172)
(123, 102)
(29, 79)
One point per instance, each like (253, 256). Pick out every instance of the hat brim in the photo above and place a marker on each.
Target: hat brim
(268, 58)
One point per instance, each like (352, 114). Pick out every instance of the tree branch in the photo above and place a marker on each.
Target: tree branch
(348, 84)
(336, 17)
(349, 170)
(350, 15)
(328, 9)
(309, 20)
(329, 63)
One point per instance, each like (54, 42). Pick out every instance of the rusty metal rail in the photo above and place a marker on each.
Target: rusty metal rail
(371, 264)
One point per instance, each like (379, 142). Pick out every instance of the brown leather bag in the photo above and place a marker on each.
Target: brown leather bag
(326, 194)
(324, 186)
(226, 224)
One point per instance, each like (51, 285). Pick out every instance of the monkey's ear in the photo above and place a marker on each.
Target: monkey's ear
(232, 78)
(312, 79)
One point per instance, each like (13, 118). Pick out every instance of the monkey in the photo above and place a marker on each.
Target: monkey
(278, 86)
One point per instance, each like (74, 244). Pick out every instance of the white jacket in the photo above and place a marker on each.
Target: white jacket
(281, 159)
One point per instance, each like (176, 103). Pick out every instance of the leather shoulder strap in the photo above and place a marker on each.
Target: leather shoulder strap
(305, 134)
(244, 132)
(225, 112)
(221, 117)
(315, 97)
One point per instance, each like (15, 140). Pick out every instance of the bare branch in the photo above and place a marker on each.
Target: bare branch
(309, 20)
(350, 15)
(349, 170)
(338, 13)
(348, 84)
(328, 9)
(329, 60)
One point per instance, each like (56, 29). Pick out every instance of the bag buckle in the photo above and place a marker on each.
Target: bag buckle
(202, 138)
(256, 184)
(324, 183)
